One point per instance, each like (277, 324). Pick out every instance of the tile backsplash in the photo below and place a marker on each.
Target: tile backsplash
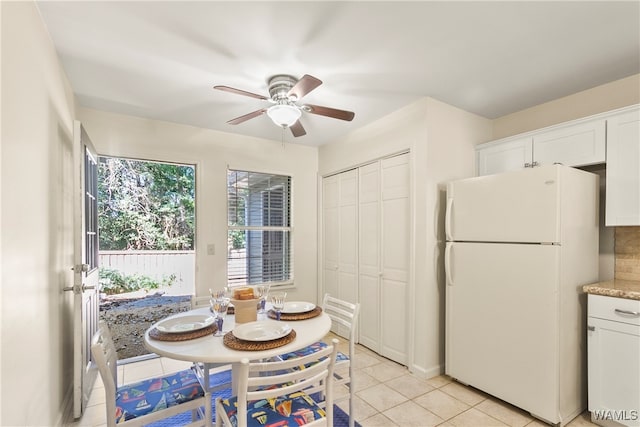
(627, 249)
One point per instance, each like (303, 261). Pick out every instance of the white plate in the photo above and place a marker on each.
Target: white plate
(265, 330)
(183, 324)
(297, 307)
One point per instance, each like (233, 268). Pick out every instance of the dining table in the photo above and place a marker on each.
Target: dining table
(211, 350)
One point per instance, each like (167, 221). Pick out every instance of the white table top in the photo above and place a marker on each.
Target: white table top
(210, 349)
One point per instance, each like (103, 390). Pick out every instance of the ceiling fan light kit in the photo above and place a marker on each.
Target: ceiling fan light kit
(284, 115)
(284, 92)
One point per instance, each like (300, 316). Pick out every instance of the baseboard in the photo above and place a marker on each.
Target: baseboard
(65, 417)
(427, 373)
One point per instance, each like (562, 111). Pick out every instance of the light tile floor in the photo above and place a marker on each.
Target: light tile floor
(387, 394)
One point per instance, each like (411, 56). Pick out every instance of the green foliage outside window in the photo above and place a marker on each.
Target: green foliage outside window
(116, 282)
(238, 239)
(145, 205)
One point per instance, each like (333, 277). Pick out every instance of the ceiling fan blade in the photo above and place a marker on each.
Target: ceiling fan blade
(297, 129)
(329, 112)
(240, 92)
(246, 117)
(305, 85)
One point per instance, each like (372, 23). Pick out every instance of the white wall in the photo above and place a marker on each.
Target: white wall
(37, 223)
(441, 139)
(452, 135)
(211, 152)
(606, 97)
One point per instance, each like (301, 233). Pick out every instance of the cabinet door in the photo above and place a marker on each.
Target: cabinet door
(503, 157)
(395, 257)
(369, 255)
(623, 169)
(614, 371)
(581, 144)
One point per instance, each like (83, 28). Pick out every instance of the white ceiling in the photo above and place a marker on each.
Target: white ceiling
(160, 59)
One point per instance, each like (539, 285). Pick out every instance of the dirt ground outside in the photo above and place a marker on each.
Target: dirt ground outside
(129, 316)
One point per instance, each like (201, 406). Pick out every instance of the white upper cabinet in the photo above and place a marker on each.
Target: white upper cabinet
(576, 145)
(503, 157)
(623, 169)
(580, 143)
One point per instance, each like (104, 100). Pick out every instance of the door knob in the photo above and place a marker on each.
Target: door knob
(80, 268)
(82, 288)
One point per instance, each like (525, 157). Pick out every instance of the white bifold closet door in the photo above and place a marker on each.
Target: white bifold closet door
(394, 249)
(340, 216)
(369, 270)
(366, 249)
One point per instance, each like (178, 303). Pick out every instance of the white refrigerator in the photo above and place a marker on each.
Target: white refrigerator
(520, 245)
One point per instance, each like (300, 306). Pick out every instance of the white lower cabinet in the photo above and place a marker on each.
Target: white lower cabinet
(366, 245)
(613, 337)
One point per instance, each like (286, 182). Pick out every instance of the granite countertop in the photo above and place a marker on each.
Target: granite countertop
(629, 289)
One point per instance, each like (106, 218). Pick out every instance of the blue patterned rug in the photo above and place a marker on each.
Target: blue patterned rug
(340, 418)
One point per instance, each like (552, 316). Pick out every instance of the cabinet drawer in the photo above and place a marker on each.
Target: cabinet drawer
(615, 309)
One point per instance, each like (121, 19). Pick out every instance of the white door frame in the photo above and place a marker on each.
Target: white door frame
(85, 284)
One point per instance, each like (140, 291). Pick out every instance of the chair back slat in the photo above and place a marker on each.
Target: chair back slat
(290, 375)
(285, 388)
(343, 313)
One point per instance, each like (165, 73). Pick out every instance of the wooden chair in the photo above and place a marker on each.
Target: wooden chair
(149, 400)
(344, 318)
(273, 393)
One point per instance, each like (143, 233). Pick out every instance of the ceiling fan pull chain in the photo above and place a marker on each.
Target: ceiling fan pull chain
(283, 131)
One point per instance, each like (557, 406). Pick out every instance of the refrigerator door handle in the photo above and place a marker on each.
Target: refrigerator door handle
(447, 264)
(447, 219)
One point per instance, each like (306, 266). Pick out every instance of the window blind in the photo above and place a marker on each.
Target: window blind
(259, 228)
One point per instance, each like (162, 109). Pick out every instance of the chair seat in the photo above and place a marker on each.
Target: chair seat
(341, 357)
(147, 396)
(294, 410)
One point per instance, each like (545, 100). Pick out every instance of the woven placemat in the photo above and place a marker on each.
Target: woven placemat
(296, 316)
(231, 341)
(163, 336)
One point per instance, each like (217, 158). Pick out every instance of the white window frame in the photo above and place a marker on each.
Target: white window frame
(288, 229)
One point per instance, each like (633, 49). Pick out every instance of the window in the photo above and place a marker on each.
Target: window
(91, 210)
(259, 228)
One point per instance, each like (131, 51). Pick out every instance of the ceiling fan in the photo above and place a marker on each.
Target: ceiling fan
(284, 93)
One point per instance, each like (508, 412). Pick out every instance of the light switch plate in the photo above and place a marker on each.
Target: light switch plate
(211, 249)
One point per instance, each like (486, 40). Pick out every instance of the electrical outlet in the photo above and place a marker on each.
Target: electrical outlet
(211, 249)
